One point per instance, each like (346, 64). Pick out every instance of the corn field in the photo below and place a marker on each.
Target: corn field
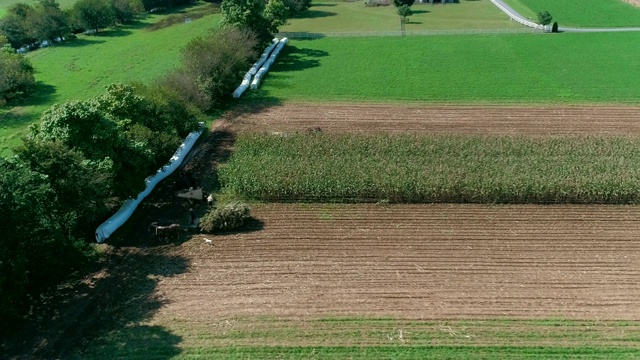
(426, 169)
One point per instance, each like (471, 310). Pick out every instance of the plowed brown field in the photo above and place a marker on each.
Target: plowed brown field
(415, 262)
(566, 120)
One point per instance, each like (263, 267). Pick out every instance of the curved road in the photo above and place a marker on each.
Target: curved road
(521, 19)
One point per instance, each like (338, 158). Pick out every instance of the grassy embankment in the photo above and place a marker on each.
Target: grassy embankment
(80, 69)
(601, 13)
(525, 68)
(354, 16)
(362, 338)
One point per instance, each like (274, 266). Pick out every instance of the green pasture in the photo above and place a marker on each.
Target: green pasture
(433, 169)
(568, 68)
(362, 338)
(80, 69)
(4, 4)
(355, 16)
(600, 13)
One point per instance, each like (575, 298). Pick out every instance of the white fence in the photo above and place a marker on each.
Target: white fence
(517, 17)
(344, 34)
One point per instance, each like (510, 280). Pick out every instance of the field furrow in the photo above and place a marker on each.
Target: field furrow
(416, 262)
(494, 120)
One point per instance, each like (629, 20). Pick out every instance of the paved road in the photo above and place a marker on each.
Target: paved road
(521, 19)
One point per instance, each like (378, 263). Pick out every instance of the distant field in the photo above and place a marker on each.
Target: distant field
(81, 68)
(354, 16)
(525, 68)
(4, 4)
(601, 13)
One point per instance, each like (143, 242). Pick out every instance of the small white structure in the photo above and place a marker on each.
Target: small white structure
(263, 70)
(254, 69)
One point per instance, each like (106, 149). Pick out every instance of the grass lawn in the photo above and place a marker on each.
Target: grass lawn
(355, 16)
(601, 13)
(523, 68)
(361, 338)
(81, 68)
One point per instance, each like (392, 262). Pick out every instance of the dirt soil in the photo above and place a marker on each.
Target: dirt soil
(415, 262)
(633, 2)
(500, 120)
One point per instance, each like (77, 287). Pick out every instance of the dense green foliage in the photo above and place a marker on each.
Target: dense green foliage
(413, 169)
(601, 13)
(460, 69)
(544, 18)
(213, 66)
(225, 217)
(260, 17)
(16, 75)
(84, 159)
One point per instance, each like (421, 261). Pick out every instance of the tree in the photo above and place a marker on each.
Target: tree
(47, 21)
(404, 11)
(16, 75)
(94, 14)
(544, 18)
(14, 25)
(400, 3)
(250, 14)
(214, 65)
(276, 14)
(126, 10)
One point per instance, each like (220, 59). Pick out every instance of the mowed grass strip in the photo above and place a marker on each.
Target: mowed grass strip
(601, 13)
(365, 338)
(80, 69)
(355, 16)
(524, 68)
(427, 169)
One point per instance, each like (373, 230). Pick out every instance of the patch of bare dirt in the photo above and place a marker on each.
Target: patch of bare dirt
(482, 120)
(415, 262)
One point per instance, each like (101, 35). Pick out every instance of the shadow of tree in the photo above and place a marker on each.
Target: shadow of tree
(294, 58)
(314, 14)
(101, 317)
(17, 113)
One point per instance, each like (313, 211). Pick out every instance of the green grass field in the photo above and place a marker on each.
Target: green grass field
(81, 68)
(4, 4)
(362, 338)
(431, 169)
(354, 16)
(601, 13)
(523, 68)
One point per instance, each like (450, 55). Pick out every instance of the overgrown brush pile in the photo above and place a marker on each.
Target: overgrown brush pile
(230, 216)
(425, 169)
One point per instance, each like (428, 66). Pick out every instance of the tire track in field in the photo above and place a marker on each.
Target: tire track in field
(417, 262)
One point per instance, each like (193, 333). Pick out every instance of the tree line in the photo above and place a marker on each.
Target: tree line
(86, 157)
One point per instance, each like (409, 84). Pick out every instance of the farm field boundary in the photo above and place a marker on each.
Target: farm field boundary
(310, 35)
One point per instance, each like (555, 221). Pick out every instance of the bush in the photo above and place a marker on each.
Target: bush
(16, 75)
(227, 217)
(554, 27)
(213, 66)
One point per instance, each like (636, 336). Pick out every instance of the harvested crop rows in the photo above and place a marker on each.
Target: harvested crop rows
(498, 120)
(416, 262)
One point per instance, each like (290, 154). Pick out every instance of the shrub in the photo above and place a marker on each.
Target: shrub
(227, 217)
(554, 27)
